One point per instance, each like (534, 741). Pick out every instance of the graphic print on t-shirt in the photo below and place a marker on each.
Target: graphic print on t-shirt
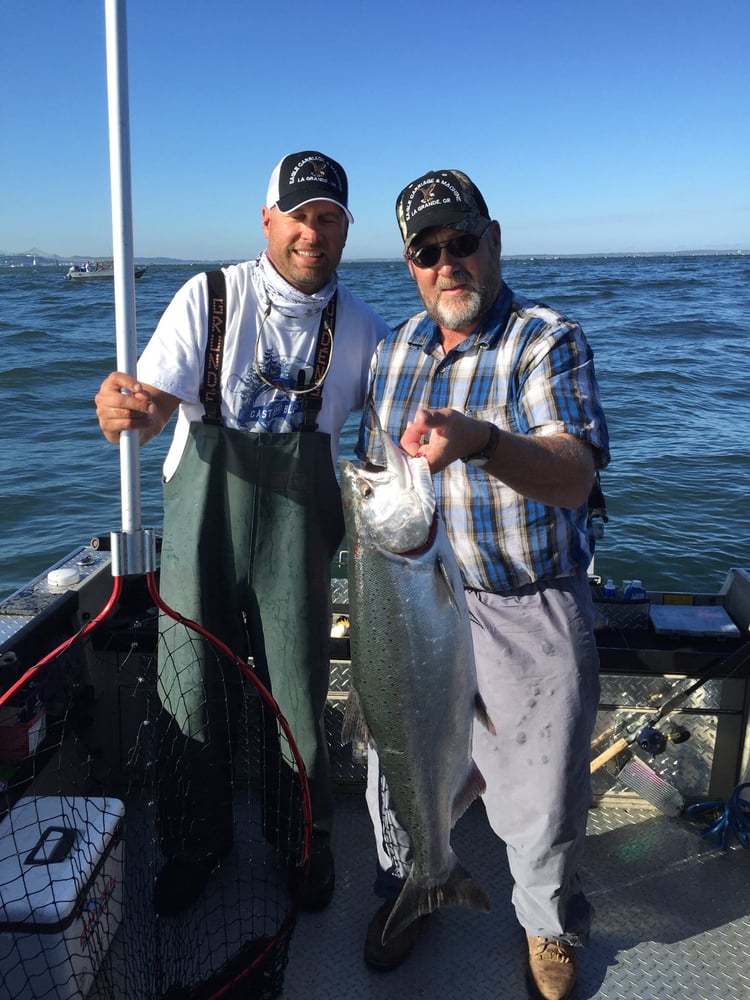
(264, 407)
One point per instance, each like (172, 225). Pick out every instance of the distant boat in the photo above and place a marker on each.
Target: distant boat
(97, 269)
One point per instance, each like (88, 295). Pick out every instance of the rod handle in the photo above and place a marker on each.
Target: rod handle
(608, 754)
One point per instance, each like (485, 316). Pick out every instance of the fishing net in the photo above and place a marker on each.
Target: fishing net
(101, 786)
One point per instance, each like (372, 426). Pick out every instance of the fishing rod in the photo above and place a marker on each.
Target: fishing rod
(729, 664)
(619, 726)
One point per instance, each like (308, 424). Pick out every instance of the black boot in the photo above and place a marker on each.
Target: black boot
(385, 957)
(314, 893)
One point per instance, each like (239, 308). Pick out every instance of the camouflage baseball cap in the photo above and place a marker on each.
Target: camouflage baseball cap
(446, 199)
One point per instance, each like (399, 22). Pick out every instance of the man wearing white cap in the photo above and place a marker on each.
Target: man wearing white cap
(255, 571)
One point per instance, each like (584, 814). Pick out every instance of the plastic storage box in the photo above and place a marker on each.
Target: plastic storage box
(20, 737)
(61, 894)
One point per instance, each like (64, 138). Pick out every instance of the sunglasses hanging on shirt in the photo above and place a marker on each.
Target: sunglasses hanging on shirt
(323, 356)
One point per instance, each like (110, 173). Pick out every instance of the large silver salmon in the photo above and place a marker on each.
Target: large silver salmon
(413, 668)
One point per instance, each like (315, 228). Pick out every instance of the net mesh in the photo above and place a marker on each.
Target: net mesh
(111, 805)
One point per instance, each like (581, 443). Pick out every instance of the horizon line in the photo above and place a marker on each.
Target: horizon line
(55, 259)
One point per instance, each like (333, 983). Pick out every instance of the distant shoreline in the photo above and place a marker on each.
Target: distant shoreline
(31, 260)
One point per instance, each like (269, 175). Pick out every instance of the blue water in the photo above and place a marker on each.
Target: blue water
(671, 336)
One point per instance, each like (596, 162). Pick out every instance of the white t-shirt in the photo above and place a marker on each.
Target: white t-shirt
(173, 360)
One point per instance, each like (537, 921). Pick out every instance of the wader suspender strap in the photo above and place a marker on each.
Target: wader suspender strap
(313, 400)
(210, 394)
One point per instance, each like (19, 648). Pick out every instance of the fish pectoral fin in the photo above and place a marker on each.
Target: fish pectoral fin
(480, 710)
(474, 786)
(354, 726)
(416, 900)
(443, 571)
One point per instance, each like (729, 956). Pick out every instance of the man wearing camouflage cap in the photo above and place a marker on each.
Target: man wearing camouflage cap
(499, 394)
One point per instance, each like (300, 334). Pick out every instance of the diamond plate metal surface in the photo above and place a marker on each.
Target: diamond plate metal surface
(20, 609)
(647, 693)
(11, 624)
(622, 615)
(340, 594)
(340, 679)
(626, 698)
(672, 919)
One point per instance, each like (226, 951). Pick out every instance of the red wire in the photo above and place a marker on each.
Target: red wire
(88, 627)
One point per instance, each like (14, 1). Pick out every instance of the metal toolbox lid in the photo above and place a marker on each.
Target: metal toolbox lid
(51, 849)
(692, 620)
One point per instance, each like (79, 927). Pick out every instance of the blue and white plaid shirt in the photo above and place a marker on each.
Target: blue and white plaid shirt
(529, 370)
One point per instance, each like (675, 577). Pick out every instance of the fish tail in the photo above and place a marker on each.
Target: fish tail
(416, 901)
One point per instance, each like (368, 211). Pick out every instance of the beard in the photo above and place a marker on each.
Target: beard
(462, 313)
(458, 314)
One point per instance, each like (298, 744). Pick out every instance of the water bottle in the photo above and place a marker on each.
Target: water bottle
(609, 590)
(635, 591)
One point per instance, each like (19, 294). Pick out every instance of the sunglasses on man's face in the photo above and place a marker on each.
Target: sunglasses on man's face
(460, 246)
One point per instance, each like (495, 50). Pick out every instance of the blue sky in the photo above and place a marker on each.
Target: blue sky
(590, 127)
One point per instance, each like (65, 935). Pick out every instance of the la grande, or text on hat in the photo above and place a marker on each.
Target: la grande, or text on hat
(443, 199)
(308, 176)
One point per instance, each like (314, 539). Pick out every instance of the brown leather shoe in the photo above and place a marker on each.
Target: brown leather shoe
(552, 967)
(384, 957)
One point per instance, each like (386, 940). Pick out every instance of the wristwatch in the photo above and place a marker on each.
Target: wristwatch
(482, 457)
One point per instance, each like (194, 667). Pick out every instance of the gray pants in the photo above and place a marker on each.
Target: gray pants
(538, 672)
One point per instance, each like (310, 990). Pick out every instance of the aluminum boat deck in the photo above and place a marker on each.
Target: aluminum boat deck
(672, 907)
(672, 918)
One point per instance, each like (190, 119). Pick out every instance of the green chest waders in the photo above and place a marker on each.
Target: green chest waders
(252, 521)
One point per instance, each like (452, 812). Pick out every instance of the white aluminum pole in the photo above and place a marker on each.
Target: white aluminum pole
(130, 550)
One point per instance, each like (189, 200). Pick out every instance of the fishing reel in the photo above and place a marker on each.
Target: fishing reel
(655, 742)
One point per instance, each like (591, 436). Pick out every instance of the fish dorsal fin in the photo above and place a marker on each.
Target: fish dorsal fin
(480, 710)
